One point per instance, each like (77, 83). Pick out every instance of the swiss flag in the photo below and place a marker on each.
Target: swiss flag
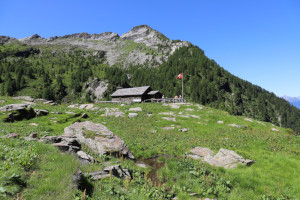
(179, 76)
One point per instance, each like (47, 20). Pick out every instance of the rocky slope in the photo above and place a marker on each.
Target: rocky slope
(141, 45)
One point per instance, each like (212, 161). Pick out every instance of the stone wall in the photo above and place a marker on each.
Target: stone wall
(126, 99)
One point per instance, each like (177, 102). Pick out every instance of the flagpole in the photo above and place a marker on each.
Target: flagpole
(182, 87)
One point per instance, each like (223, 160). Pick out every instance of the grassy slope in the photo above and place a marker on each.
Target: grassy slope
(275, 173)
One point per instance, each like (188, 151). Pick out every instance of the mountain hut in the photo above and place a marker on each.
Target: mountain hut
(136, 94)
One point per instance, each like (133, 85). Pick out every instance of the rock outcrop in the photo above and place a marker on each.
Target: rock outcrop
(115, 170)
(224, 158)
(18, 112)
(96, 88)
(99, 139)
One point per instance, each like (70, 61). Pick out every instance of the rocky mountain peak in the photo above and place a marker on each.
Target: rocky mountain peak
(147, 35)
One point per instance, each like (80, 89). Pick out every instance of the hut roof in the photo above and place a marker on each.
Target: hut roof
(153, 92)
(130, 91)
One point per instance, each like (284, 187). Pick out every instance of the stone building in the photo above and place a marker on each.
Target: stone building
(137, 94)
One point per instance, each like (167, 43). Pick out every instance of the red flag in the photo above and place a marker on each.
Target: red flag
(179, 76)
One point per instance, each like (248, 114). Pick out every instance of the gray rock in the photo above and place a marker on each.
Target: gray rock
(227, 159)
(40, 100)
(113, 112)
(249, 120)
(174, 106)
(168, 128)
(224, 158)
(32, 136)
(220, 122)
(14, 107)
(66, 143)
(18, 112)
(48, 102)
(98, 138)
(41, 112)
(85, 157)
(73, 106)
(200, 151)
(2, 101)
(71, 113)
(195, 116)
(97, 175)
(169, 118)
(118, 171)
(189, 109)
(86, 106)
(114, 170)
(167, 113)
(33, 124)
(238, 126)
(184, 116)
(11, 135)
(29, 102)
(96, 88)
(26, 98)
(132, 115)
(141, 164)
(62, 147)
(184, 129)
(274, 129)
(137, 109)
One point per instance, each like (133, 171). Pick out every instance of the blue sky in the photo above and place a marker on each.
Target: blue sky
(256, 40)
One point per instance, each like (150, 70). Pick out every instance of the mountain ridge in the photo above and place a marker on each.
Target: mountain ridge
(155, 44)
(142, 56)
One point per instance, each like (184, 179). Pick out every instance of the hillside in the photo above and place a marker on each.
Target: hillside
(160, 137)
(89, 67)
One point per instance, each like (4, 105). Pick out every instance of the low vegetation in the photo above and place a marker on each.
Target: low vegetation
(34, 170)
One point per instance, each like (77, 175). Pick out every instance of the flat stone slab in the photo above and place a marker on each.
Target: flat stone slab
(132, 115)
(224, 158)
(189, 109)
(237, 126)
(14, 107)
(137, 109)
(168, 128)
(167, 113)
(184, 130)
(169, 118)
(195, 116)
(26, 98)
(248, 119)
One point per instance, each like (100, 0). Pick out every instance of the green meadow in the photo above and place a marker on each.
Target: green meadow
(34, 170)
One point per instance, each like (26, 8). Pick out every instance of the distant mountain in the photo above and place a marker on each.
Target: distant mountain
(295, 101)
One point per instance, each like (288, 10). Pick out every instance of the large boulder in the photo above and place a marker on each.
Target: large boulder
(18, 112)
(224, 158)
(99, 139)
